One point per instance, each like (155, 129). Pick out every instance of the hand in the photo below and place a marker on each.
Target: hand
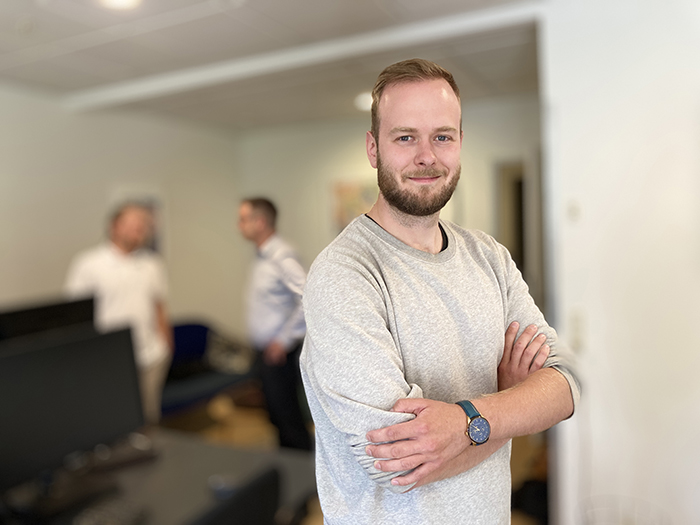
(427, 443)
(522, 357)
(275, 354)
(468, 459)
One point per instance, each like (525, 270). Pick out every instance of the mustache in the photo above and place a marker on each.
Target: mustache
(426, 173)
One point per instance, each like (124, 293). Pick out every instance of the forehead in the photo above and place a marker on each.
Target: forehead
(134, 213)
(246, 208)
(419, 104)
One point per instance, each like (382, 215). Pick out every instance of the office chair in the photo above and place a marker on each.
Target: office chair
(254, 503)
(190, 344)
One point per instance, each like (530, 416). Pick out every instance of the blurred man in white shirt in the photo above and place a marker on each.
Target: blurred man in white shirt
(129, 284)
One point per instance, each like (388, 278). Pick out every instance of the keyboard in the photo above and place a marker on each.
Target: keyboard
(111, 511)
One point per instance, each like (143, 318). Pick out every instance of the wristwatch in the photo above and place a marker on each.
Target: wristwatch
(478, 428)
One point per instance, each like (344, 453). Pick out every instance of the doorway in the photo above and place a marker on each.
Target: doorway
(519, 228)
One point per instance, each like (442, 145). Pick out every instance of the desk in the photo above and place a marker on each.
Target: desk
(174, 486)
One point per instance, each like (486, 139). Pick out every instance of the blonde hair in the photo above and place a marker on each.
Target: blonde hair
(412, 70)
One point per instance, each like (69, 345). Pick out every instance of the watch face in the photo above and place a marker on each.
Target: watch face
(479, 430)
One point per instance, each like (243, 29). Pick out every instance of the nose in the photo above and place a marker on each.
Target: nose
(425, 156)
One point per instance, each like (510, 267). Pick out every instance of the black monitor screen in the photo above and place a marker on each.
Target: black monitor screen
(63, 392)
(49, 316)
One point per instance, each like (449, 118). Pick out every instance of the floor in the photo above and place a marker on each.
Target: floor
(239, 419)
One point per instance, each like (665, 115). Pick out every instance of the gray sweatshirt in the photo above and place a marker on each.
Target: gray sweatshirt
(386, 321)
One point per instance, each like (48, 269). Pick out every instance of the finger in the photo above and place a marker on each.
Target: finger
(511, 332)
(414, 476)
(522, 342)
(532, 349)
(540, 358)
(398, 449)
(409, 406)
(393, 433)
(399, 465)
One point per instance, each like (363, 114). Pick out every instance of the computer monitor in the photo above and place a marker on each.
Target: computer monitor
(61, 392)
(48, 316)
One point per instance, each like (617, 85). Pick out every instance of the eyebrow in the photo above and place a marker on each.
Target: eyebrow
(442, 129)
(402, 130)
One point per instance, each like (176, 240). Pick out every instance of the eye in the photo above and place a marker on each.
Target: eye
(443, 138)
(404, 138)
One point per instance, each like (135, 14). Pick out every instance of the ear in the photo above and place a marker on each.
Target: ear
(371, 146)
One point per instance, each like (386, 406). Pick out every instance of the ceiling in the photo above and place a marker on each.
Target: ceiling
(239, 64)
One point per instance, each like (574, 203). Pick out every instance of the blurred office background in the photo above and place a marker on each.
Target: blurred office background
(584, 117)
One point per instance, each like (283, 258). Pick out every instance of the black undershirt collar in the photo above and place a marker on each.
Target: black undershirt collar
(442, 232)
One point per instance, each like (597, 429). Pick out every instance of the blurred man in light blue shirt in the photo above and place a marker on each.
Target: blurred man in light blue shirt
(276, 319)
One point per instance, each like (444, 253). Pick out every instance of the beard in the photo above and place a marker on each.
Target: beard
(426, 201)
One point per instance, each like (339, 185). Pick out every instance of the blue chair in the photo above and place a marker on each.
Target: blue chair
(191, 379)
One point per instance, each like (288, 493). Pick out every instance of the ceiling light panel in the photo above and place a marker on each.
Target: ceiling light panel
(120, 4)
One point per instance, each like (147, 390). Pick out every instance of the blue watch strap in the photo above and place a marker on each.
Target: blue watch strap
(478, 428)
(470, 409)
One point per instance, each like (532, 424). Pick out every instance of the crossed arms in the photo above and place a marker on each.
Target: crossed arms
(434, 446)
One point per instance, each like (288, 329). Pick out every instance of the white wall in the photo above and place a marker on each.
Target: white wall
(621, 88)
(496, 130)
(60, 172)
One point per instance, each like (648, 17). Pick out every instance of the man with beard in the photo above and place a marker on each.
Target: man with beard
(414, 373)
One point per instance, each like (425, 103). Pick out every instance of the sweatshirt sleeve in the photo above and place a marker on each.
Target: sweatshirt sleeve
(520, 307)
(351, 362)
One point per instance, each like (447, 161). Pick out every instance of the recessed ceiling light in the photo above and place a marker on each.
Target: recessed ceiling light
(120, 4)
(363, 101)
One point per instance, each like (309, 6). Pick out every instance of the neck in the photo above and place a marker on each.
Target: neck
(421, 233)
(123, 248)
(260, 240)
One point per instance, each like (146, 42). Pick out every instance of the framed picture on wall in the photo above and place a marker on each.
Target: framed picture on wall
(351, 200)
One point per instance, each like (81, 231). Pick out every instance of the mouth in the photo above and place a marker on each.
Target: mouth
(423, 180)
(425, 176)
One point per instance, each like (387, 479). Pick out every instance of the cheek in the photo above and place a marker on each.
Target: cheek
(450, 155)
(397, 160)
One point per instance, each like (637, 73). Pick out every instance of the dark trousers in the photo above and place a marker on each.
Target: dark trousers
(281, 386)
